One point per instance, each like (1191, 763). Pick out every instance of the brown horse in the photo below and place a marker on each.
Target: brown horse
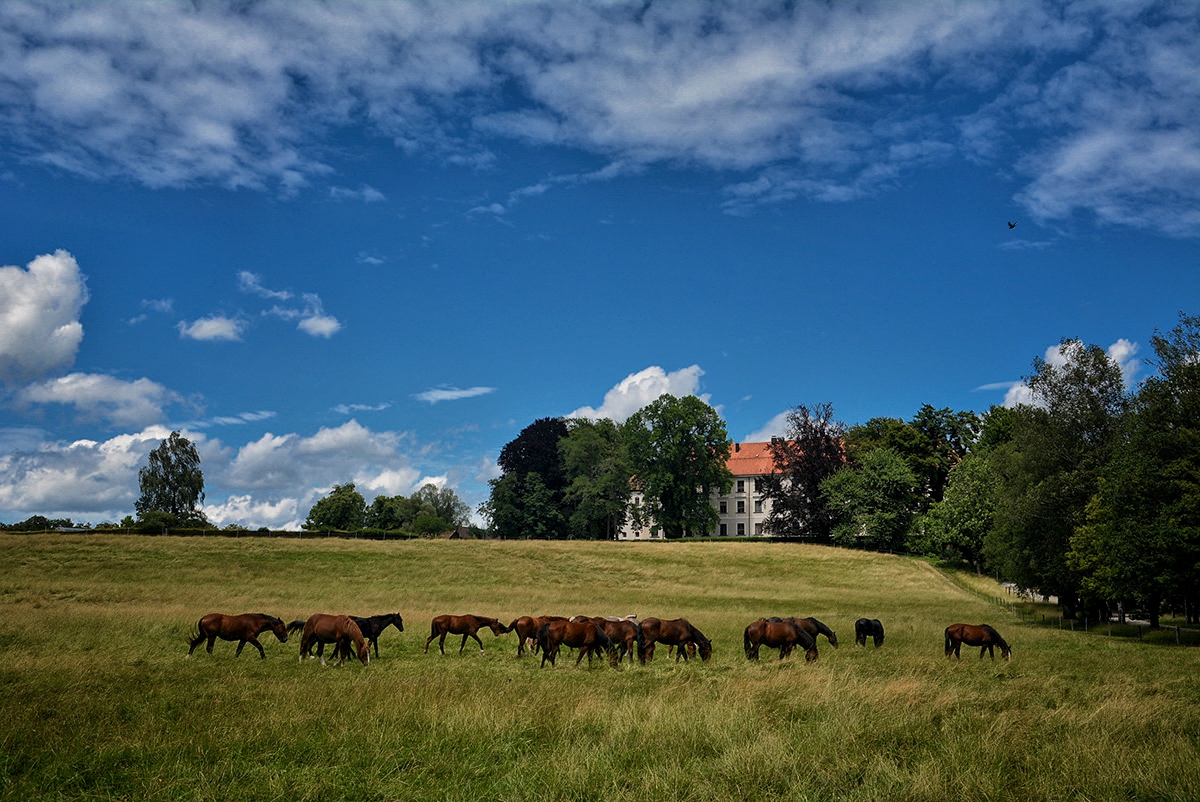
(526, 628)
(981, 635)
(340, 630)
(465, 625)
(626, 634)
(243, 628)
(586, 636)
(677, 632)
(814, 627)
(780, 634)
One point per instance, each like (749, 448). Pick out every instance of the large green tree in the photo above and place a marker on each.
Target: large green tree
(443, 503)
(1049, 470)
(956, 526)
(595, 460)
(172, 485)
(527, 499)
(810, 451)
(872, 501)
(343, 510)
(1140, 543)
(678, 449)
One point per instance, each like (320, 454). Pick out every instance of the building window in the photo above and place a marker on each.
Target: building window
(758, 528)
(741, 507)
(724, 507)
(724, 530)
(758, 506)
(741, 485)
(741, 530)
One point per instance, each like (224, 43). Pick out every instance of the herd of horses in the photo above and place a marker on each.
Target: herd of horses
(611, 638)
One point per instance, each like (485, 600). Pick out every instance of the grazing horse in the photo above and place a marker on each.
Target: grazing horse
(780, 634)
(981, 635)
(465, 625)
(340, 630)
(812, 626)
(626, 634)
(865, 627)
(586, 636)
(526, 628)
(243, 628)
(373, 626)
(677, 632)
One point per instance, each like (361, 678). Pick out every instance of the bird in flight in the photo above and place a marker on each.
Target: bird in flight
(1011, 224)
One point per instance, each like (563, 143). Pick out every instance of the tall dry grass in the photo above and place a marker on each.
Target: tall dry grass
(99, 702)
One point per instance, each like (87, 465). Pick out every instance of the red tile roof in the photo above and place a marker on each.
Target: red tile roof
(750, 459)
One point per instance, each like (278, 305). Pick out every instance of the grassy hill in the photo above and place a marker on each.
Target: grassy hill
(99, 702)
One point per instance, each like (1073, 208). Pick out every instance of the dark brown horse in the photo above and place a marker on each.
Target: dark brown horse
(677, 632)
(526, 628)
(465, 625)
(981, 635)
(586, 636)
(340, 630)
(778, 634)
(813, 627)
(626, 634)
(373, 626)
(868, 627)
(243, 628)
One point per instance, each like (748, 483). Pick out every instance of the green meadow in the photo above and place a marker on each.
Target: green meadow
(98, 700)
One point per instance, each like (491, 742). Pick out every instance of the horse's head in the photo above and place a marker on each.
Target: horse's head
(705, 648)
(280, 629)
(1006, 651)
(398, 621)
(364, 652)
(810, 654)
(497, 628)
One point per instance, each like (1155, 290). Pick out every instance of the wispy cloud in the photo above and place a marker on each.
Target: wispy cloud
(252, 283)
(439, 394)
(350, 409)
(790, 100)
(365, 193)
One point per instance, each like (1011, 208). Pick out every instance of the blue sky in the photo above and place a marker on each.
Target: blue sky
(371, 242)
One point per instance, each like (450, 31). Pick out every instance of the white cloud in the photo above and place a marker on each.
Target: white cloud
(639, 389)
(349, 409)
(97, 479)
(320, 325)
(214, 327)
(775, 427)
(365, 193)
(281, 514)
(98, 397)
(452, 394)
(1096, 104)
(252, 283)
(1121, 353)
(40, 306)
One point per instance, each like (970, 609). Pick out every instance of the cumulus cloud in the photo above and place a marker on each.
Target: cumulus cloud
(98, 479)
(97, 397)
(40, 306)
(438, 394)
(775, 427)
(639, 389)
(1122, 353)
(214, 327)
(1096, 105)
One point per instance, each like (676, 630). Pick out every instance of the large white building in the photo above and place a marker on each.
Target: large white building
(743, 510)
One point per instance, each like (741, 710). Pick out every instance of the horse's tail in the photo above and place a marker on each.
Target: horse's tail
(543, 637)
(746, 641)
(513, 626)
(295, 626)
(196, 638)
(639, 638)
(949, 645)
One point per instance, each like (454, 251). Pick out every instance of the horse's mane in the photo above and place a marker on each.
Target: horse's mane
(1003, 644)
(696, 634)
(824, 630)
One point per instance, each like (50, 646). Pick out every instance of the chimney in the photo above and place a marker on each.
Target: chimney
(737, 447)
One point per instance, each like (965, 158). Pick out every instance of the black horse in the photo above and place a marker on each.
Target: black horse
(865, 627)
(373, 626)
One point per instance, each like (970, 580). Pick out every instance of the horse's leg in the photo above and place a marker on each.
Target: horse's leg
(321, 651)
(477, 640)
(241, 643)
(211, 640)
(254, 642)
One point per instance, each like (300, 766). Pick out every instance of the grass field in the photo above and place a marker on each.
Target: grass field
(98, 701)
